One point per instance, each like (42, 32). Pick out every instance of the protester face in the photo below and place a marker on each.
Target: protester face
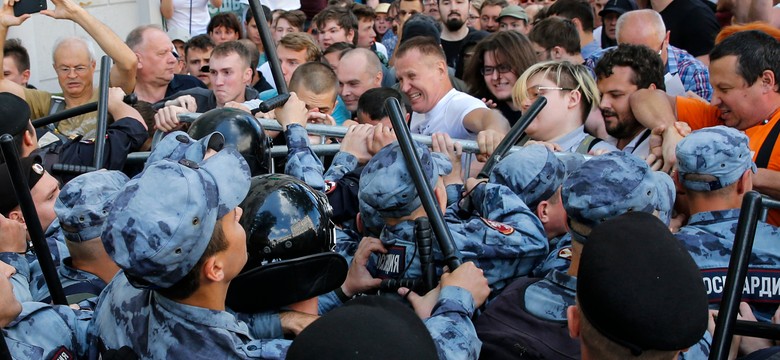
(421, 78)
(333, 33)
(405, 10)
(11, 71)
(283, 28)
(74, 68)
(615, 91)
(473, 20)
(155, 56)
(221, 34)
(509, 23)
(196, 60)
(381, 24)
(488, 18)
(290, 60)
(431, 8)
(546, 126)
(733, 96)
(323, 103)
(610, 24)
(366, 34)
(454, 13)
(229, 76)
(253, 34)
(354, 80)
(499, 76)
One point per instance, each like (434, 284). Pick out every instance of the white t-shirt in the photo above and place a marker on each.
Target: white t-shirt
(447, 116)
(181, 16)
(265, 69)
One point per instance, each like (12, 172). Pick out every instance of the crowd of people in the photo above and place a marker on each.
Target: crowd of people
(605, 234)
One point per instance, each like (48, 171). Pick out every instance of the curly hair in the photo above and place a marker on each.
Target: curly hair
(646, 64)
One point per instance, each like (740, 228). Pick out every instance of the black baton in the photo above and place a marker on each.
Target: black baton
(27, 205)
(450, 252)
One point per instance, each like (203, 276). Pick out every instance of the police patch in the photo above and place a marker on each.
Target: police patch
(329, 186)
(498, 226)
(62, 353)
(392, 264)
(565, 253)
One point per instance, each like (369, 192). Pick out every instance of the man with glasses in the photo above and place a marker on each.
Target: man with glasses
(74, 62)
(683, 72)
(556, 39)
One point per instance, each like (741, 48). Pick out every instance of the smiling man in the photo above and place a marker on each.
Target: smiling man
(360, 71)
(422, 73)
(620, 73)
(746, 96)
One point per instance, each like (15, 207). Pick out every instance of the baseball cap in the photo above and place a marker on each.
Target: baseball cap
(350, 332)
(720, 151)
(179, 145)
(386, 184)
(161, 221)
(80, 207)
(609, 185)
(421, 25)
(534, 173)
(15, 114)
(618, 6)
(514, 11)
(382, 8)
(639, 287)
(32, 171)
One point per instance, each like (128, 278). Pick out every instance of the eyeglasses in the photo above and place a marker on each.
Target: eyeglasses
(65, 70)
(535, 91)
(502, 69)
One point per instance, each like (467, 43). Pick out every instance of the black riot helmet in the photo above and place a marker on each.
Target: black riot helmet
(289, 238)
(241, 130)
(285, 218)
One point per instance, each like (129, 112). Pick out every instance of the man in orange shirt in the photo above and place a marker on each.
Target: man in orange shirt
(746, 96)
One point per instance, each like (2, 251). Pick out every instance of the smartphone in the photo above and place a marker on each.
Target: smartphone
(29, 7)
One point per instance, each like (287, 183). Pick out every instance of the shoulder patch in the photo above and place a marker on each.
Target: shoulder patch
(62, 353)
(330, 186)
(565, 253)
(499, 226)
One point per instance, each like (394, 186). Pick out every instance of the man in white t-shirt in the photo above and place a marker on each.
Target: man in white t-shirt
(421, 68)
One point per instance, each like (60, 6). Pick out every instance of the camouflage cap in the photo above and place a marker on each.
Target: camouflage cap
(162, 220)
(179, 145)
(609, 185)
(534, 173)
(386, 184)
(666, 195)
(720, 151)
(80, 207)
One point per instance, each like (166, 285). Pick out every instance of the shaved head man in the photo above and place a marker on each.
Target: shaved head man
(359, 70)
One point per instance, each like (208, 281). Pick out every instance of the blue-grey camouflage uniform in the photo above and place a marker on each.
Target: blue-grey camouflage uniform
(604, 187)
(79, 208)
(534, 173)
(507, 241)
(157, 230)
(43, 331)
(302, 162)
(450, 325)
(342, 164)
(723, 154)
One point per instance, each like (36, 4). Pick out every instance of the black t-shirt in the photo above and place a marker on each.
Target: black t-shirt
(692, 24)
(452, 49)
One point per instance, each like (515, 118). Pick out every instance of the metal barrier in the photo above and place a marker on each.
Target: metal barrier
(727, 325)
